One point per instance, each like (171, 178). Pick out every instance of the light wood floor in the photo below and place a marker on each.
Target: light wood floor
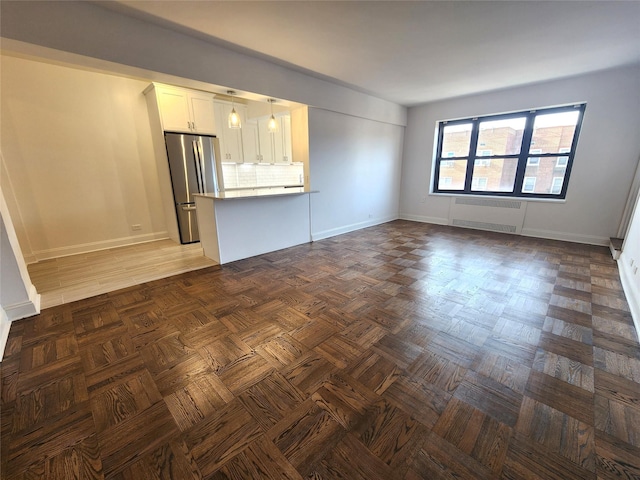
(403, 351)
(75, 277)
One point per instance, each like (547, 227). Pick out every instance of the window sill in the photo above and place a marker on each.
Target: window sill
(501, 197)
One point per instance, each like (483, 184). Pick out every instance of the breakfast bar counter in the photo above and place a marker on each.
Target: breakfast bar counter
(240, 224)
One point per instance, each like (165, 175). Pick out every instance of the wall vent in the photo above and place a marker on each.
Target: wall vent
(492, 214)
(495, 227)
(489, 202)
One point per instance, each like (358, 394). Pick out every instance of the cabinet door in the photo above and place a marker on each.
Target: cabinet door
(203, 117)
(285, 122)
(251, 142)
(234, 145)
(282, 140)
(266, 141)
(230, 138)
(174, 110)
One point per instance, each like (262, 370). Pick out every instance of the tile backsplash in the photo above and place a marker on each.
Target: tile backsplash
(241, 175)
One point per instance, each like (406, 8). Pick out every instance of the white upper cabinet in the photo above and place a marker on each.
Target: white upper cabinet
(230, 138)
(183, 110)
(274, 147)
(203, 117)
(251, 142)
(283, 147)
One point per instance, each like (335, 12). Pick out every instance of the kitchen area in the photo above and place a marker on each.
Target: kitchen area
(236, 169)
(93, 202)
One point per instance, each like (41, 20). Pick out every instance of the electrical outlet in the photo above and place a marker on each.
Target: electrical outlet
(136, 226)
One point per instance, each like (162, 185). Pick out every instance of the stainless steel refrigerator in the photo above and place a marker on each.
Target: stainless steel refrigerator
(192, 163)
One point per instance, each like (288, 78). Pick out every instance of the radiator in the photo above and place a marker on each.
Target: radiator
(488, 214)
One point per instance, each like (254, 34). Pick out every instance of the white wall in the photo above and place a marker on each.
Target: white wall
(355, 166)
(629, 265)
(79, 159)
(603, 168)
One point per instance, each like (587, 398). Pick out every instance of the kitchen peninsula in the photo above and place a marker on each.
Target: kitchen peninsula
(239, 224)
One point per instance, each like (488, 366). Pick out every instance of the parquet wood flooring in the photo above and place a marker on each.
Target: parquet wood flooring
(403, 351)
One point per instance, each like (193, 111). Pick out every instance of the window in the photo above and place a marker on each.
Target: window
(523, 154)
(534, 161)
(479, 183)
(529, 184)
(561, 162)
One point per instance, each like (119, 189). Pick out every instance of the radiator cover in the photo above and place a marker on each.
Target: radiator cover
(492, 214)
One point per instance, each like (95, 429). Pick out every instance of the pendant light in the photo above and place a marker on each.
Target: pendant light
(234, 118)
(272, 125)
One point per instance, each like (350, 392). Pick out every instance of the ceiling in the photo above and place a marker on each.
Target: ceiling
(414, 52)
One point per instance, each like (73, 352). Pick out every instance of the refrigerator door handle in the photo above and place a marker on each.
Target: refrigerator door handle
(197, 150)
(203, 175)
(189, 208)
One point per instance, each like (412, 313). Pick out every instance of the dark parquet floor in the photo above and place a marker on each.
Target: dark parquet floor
(402, 351)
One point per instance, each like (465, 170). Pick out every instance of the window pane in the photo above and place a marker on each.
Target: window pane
(545, 177)
(455, 142)
(554, 132)
(452, 173)
(499, 174)
(501, 137)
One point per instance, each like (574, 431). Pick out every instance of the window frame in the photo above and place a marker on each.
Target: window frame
(475, 153)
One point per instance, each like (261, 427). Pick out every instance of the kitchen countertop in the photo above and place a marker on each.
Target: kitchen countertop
(255, 192)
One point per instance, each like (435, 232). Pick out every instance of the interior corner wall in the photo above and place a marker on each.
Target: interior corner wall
(78, 158)
(629, 265)
(605, 161)
(18, 296)
(355, 167)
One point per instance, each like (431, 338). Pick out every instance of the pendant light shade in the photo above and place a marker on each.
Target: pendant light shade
(272, 124)
(234, 118)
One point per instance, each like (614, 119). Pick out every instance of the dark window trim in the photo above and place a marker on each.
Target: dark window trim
(522, 156)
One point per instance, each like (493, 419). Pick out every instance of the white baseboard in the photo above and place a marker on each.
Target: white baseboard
(350, 228)
(9, 313)
(25, 309)
(424, 219)
(5, 326)
(565, 236)
(631, 292)
(93, 246)
(527, 232)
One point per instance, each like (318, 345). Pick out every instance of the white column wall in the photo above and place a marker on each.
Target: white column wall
(18, 296)
(355, 166)
(629, 265)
